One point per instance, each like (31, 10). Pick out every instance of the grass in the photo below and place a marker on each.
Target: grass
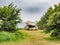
(19, 29)
(50, 38)
(32, 38)
(53, 38)
(8, 36)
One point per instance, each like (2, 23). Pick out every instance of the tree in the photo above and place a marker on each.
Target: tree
(51, 21)
(10, 17)
(54, 24)
(42, 22)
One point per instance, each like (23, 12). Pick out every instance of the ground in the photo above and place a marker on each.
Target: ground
(35, 38)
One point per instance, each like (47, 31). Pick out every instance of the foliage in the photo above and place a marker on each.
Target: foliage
(41, 23)
(57, 38)
(19, 28)
(51, 20)
(8, 36)
(9, 17)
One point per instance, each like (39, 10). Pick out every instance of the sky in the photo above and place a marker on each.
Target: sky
(32, 10)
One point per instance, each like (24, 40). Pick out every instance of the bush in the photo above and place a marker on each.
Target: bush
(8, 36)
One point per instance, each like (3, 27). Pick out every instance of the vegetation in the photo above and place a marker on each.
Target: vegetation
(8, 36)
(51, 20)
(19, 28)
(34, 38)
(9, 17)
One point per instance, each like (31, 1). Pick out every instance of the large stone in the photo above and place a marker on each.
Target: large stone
(31, 25)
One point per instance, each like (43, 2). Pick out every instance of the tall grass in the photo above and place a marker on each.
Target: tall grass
(8, 36)
(57, 38)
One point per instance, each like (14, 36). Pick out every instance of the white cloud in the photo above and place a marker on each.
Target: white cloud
(43, 4)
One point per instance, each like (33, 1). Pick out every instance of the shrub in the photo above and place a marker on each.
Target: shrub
(8, 36)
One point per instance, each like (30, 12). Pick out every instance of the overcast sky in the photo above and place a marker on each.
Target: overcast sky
(32, 10)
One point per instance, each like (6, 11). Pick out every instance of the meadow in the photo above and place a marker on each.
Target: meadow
(32, 38)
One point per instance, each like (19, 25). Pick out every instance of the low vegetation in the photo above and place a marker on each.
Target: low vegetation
(34, 38)
(8, 36)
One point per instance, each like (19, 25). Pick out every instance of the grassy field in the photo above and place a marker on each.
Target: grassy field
(33, 38)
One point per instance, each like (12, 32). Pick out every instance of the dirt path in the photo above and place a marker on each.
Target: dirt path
(36, 38)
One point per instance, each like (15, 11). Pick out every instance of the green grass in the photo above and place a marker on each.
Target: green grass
(53, 38)
(19, 29)
(8, 36)
(50, 38)
(31, 38)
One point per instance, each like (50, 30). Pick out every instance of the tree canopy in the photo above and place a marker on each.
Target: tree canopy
(9, 17)
(51, 20)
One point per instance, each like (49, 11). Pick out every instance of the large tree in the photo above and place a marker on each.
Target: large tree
(42, 22)
(9, 17)
(52, 20)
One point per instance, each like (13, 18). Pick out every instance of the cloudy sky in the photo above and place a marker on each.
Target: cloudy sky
(32, 10)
